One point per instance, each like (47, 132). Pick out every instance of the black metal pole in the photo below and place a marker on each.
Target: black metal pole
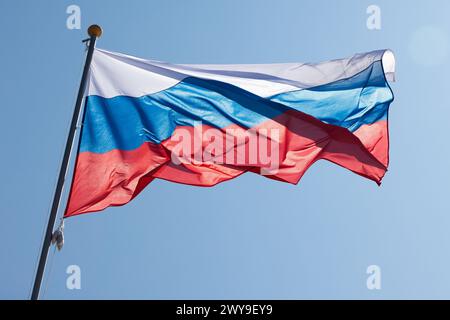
(94, 32)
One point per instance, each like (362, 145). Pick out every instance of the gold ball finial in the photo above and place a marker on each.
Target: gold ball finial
(95, 31)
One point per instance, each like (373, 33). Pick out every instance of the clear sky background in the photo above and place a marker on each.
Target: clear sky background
(251, 237)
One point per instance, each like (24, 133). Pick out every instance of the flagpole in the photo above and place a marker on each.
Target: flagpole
(94, 32)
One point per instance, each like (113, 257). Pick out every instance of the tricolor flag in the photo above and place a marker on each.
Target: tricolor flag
(205, 124)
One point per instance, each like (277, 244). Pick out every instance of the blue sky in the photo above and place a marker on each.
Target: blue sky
(249, 238)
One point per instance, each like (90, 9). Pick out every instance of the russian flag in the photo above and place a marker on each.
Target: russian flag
(205, 124)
